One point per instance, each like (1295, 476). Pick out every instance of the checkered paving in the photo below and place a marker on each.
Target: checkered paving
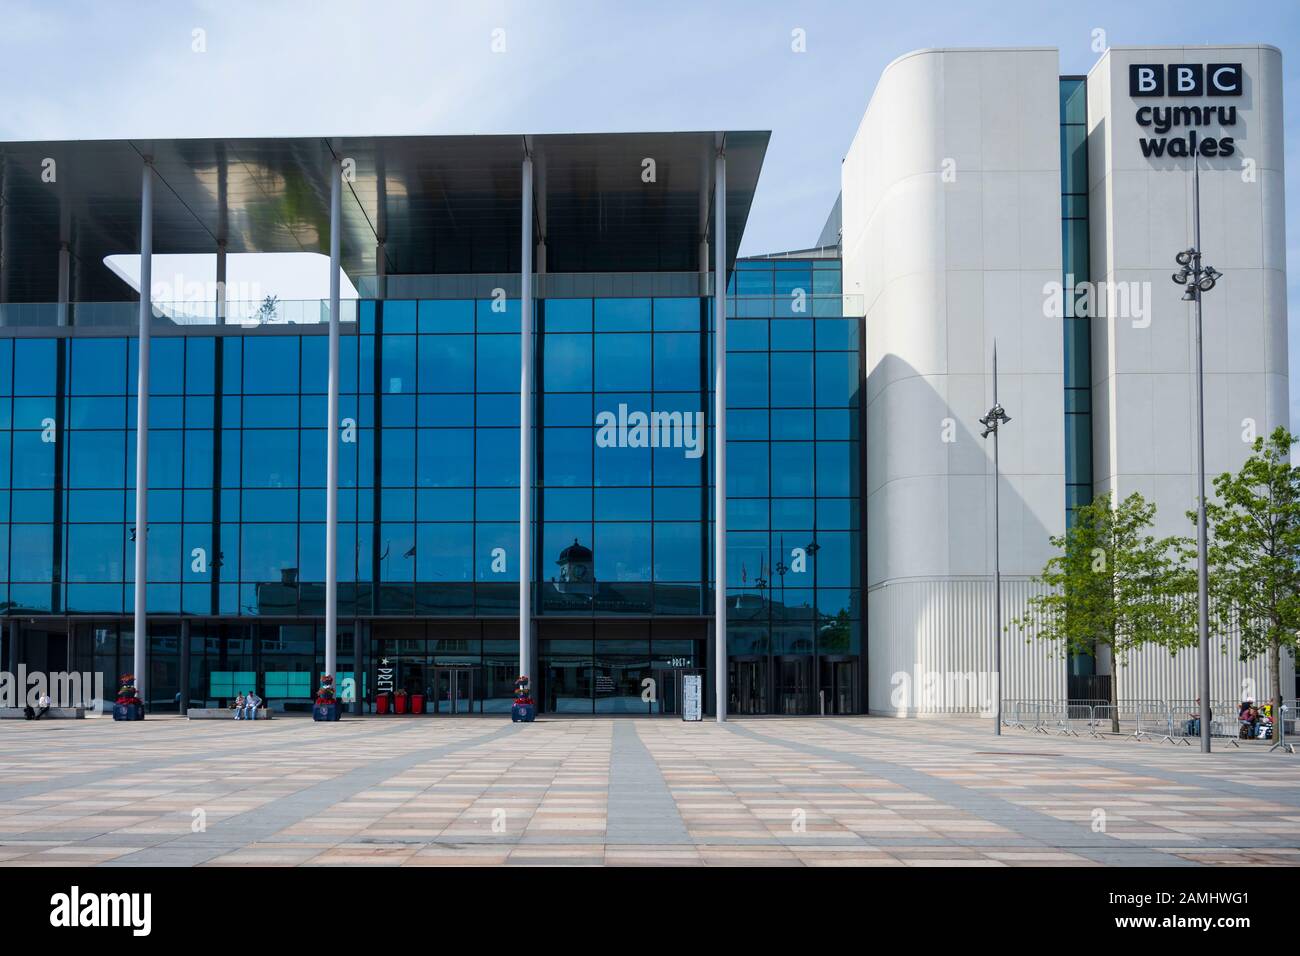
(481, 792)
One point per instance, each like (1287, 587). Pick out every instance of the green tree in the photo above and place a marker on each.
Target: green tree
(1113, 584)
(1254, 555)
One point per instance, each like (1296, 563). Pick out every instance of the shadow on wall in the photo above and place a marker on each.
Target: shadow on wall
(930, 536)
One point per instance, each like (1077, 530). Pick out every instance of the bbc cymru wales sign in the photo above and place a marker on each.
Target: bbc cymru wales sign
(1183, 80)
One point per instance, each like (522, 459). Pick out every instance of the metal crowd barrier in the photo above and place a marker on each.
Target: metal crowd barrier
(1284, 725)
(1185, 721)
(1048, 717)
(1174, 722)
(1011, 714)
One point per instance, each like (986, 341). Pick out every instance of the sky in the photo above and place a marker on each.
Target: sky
(92, 70)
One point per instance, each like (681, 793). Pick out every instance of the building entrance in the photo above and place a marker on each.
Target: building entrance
(747, 685)
(615, 666)
(838, 686)
(453, 690)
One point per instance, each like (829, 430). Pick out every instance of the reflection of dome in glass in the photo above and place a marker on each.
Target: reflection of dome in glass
(575, 553)
(575, 568)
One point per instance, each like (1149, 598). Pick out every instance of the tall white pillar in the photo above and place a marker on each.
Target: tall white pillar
(65, 277)
(140, 624)
(720, 433)
(221, 282)
(526, 420)
(703, 231)
(332, 435)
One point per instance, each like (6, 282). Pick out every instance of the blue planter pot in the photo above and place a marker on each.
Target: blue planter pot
(128, 711)
(522, 713)
(326, 711)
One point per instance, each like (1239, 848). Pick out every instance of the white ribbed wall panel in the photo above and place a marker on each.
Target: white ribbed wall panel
(945, 626)
(1153, 674)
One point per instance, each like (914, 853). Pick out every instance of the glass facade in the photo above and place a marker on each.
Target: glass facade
(1077, 331)
(429, 499)
(1080, 301)
(794, 562)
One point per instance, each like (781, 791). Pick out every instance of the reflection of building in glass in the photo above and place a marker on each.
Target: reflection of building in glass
(577, 573)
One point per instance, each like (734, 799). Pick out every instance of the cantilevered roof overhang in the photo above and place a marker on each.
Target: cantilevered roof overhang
(433, 204)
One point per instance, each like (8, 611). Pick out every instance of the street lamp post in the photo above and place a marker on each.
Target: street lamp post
(1199, 279)
(995, 418)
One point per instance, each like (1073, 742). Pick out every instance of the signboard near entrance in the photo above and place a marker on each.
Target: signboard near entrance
(692, 697)
(384, 677)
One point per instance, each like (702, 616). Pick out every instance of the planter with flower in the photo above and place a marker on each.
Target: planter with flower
(523, 709)
(399, 702)
(128, 705)
(327, 704)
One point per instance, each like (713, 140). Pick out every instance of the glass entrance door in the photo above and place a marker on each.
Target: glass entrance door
(838, 683)
(747, 685)
(453, 690)
(794, 685)
(667, 692)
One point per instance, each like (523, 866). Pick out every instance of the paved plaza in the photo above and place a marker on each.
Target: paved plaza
(483, 791)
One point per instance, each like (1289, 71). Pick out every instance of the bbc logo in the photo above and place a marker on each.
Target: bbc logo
(1184, 79)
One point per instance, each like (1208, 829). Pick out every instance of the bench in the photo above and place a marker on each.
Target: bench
(221, 713)
(54, 713)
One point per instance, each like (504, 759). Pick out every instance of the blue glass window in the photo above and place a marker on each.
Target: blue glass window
(446, 363)
(446, 315)
(398, 364)
(444, 552)
(622, 362)
(566, 365)
(446, 458)
(34, 366)
(270, 458)
(99, 367)
(498, 363)
(271, 365)
(97, 459)
(676, 361)
(622, 315)
(622, 551)
(568, 315)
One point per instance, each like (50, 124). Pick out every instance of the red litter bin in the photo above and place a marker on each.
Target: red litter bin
(417, 703)
(381, 704)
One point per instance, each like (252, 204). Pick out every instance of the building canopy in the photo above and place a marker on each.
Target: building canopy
(434, 205)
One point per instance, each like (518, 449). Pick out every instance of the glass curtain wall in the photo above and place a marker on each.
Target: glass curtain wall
(428, 502)
(793, 480)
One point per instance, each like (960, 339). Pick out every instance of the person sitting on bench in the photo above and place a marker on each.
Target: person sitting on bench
(249, 710)
(42, 708)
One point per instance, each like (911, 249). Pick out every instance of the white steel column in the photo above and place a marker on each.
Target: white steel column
(223, 233)
(526, 419)
(140, 624)
(703, 252)
(65, 276)
(332, 435)
(221, 282)
(720, 433)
